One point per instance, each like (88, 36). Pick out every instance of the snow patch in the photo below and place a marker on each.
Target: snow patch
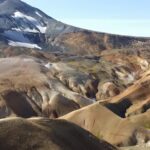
(18, 14)
(38, 24)
(41, 28)
(26, 30)
(38, 14)
(30, 30)
(21, 44)
(48, 65)
(16, 29)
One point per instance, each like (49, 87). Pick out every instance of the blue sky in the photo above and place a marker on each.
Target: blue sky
(128, 17)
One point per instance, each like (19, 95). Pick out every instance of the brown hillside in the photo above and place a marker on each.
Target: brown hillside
(44, 134)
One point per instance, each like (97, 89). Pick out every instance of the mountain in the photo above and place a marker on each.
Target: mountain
(24, 26)
(55, 71)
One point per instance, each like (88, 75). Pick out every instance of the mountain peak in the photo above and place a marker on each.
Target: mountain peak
(22, 24)
(10, 6)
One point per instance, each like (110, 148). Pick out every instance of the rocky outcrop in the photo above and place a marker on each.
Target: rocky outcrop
(137, 95)
(59, 106)
(106, 90)
(77, 81)
(39, 90)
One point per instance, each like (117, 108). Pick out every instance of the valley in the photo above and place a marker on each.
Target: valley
(67, 88)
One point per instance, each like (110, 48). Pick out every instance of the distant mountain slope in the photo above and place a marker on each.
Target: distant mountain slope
(21, 24)
(24, 26)
(88, 42)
